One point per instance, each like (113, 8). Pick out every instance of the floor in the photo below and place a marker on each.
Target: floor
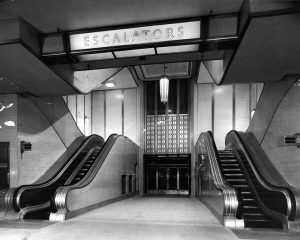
(137, 218)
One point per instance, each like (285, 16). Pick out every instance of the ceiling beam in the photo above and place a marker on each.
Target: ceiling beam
(165, 58)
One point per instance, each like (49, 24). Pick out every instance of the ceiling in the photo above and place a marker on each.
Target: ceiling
(172, 70)
(28, 74)
(49, 15)
(268, 51)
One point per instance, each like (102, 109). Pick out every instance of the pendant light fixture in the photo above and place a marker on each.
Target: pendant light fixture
(164, 87)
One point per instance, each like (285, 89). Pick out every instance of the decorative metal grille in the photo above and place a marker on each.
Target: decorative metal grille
(172, 133)
(150, 134)
(183, 133)
(161, 134)
(167, 125)
(177, 137)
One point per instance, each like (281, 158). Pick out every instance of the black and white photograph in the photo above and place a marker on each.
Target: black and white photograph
(149, 119)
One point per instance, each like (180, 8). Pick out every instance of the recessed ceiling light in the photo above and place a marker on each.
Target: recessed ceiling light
(110, 84)
(10, 123)
(297, 83)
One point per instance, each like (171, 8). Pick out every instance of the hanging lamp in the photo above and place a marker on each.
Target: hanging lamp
(164, 87)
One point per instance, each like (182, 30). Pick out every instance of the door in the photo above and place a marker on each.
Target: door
(4, 165)
(163, 179)
(167, 174)
(151, 180)
(184, 180)
(173, 180)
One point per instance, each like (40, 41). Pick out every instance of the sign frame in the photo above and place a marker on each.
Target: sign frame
(140, 45)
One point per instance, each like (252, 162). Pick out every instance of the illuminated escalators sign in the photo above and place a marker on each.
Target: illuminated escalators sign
(134, 36)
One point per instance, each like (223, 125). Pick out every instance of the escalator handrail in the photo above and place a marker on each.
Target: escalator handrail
(24, 211)
(255, 150)
(231, 203)
(234, 136)
(61, 194)
(18, 193)
(267, 211)
(9, 194)
(33, 208)
(271, 174)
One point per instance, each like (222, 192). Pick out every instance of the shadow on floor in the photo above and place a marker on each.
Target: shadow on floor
(266, 234)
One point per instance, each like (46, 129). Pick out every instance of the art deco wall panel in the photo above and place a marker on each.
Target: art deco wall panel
(223, 113)
(113, 108)
(242, 108)
(204, 96)
(88, 114)
(130, 113)
(80, 112)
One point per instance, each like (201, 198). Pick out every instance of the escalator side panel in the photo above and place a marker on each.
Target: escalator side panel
(249, 205)
(270, 173)
(102, 185)
(215, 192)
(272, 201)
(31, 195)
(266, 190)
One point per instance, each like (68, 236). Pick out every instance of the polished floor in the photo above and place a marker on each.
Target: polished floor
(151, 218)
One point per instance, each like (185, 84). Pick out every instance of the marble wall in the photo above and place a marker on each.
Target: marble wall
(278, 115)
(107, 112)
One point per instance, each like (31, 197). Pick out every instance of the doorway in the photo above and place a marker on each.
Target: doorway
(167, 174)
(4, 165)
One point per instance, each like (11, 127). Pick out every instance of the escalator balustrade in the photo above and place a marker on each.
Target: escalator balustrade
(37, 201)
(67, 178)
(85, 167)
(249, 210)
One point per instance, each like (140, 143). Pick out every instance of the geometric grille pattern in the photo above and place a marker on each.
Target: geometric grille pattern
(157, 137)
(150, 134)
(183, 133)
(161, 134)
(172, 133)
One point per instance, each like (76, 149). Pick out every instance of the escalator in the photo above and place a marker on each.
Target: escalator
(37, 201)
(83, 170)
(250, 210)
(248, 199)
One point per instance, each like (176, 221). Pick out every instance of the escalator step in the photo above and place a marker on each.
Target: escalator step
(225, 151)
(234, 174)
(236, 180)
(228, 157)
(261, 224)
(228, 160)
(230, 164)
(246, 193)
(255, 223)
(253, 212)
(248, 199)
(250, 203)
(249, 207)
(231, 169)
(240, 185)
(256, 216)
